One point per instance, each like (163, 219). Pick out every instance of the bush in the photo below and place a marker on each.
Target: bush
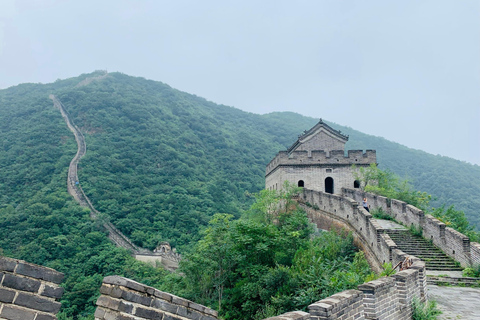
(424, 311)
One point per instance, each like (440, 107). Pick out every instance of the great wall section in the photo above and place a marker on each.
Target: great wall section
(164, 256)
(32, 292)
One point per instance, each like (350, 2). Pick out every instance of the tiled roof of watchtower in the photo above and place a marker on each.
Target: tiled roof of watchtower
(319, 126)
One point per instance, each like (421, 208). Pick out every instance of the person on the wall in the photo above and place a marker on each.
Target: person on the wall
(366, 206)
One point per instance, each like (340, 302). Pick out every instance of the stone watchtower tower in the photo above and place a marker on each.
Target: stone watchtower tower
(317, 161)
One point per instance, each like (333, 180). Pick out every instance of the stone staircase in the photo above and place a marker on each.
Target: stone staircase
(417, 246)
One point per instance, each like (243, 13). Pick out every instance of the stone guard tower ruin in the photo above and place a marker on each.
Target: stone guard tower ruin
(317, 161)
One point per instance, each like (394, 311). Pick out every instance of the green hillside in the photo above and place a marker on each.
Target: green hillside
(159, 164)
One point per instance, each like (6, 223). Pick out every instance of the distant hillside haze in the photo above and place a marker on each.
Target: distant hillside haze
(160, 162)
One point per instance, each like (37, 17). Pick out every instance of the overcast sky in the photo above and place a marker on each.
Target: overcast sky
(408, 71)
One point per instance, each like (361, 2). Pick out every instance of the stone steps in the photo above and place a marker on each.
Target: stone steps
(452, 281)
(417, 246)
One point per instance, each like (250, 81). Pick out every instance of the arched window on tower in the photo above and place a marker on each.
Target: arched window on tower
(356, 184)
(301, 183)
(329, 185)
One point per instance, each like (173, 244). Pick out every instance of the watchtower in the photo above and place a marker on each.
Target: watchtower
(317, 161)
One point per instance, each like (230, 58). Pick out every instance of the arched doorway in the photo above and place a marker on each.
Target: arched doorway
(301, 183)
(356, 184)
(329, 185)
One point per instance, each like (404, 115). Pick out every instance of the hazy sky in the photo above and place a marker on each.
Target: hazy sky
(408, 71)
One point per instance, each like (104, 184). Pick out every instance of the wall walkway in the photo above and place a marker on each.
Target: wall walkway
(170, 261)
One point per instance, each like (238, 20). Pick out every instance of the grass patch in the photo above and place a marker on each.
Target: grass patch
(424, 311)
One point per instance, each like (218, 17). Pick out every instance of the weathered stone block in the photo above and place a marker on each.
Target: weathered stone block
(7, 264)
(6, 295)
(179, 301)
(107, 302)
(188, 313)
(99, 312)
(196, 306)
(120, 281)
(53, 292)
(165, 306)
(134, 297)
(163, 295)
(125, 307)
(37, 303)
(211, 312)
(20, 283)
(11, 312)
(39, 272)
(149, 314)
(45, 317)
(170, 317)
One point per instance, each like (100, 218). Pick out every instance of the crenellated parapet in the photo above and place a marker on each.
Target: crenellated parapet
(451, 242)
(322, 158)
(384, 298)
(124, 298)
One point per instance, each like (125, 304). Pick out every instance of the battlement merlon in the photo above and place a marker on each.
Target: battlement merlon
(322, 158)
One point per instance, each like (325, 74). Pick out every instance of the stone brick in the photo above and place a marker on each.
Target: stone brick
(120, 281)
(211, 312)
(180, 301)
(165, 306)
(20, 283)
(196, 306)
(163, 295)
(39, 272)
(188, 313)
(52, 292)
(7, 264)
(37, 303)
(170, 317)
(107, 302)
(45, 317)
(99, 312)
(149, 314)
(11, 312)
(134, 297)
(6, 295)
(125, 307)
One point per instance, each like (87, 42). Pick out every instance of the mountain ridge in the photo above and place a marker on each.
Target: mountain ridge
(101, 107)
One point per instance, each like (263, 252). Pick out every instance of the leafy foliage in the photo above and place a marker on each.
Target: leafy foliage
(388, 184)
(425, 311)
(251, 267)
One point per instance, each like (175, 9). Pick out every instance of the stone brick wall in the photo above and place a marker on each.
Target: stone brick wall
(125, 299)
(387, 298)
(380, 298)
(28, 291)
(320, 157)
(323, 140)
(346, 305)
(450, 241)
(375, 242)
(475, 253)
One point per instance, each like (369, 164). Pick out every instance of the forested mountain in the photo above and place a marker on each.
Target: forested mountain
(159, 164)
